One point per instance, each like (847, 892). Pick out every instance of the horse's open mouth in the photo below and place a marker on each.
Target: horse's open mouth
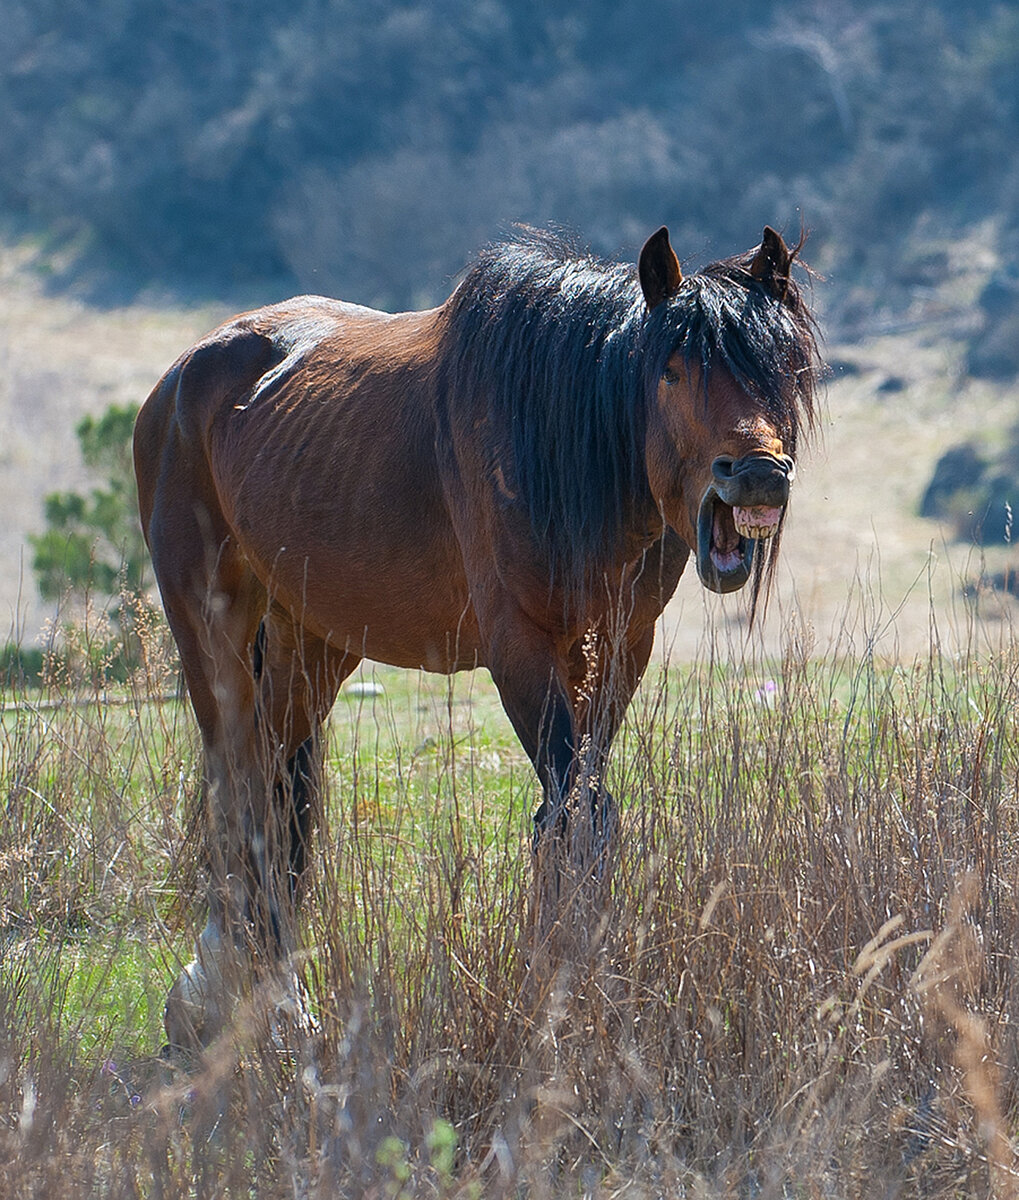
(726, 537)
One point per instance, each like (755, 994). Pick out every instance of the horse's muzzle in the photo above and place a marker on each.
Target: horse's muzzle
(743, 505)
(755, 481)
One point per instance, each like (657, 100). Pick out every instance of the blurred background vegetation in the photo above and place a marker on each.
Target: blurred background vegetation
(366, 150)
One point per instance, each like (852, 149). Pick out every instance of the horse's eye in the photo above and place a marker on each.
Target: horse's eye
(670, 376)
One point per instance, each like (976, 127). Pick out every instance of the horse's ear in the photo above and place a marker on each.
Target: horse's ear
(658, 268)
(771, 263)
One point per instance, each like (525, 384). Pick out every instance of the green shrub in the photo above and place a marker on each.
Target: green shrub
(20, 666)
(93, 543)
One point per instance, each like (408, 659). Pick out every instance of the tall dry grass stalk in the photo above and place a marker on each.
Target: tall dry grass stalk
(797, 979)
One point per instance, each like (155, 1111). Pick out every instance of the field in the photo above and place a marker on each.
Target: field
(797, 981)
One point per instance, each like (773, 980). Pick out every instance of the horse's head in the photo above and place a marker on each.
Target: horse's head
(739, 365)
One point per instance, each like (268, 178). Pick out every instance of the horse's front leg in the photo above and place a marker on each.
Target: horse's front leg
(531, 674)
(605, 670)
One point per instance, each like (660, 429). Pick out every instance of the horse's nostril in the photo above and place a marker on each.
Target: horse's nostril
(721, 468)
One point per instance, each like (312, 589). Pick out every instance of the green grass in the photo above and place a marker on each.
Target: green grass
(103, 991)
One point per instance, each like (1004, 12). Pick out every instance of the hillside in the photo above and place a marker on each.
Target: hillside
(369, 151)
(858, 562)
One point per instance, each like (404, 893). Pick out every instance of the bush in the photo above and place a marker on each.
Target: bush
(206, 145)
(975, 495)
(93, 544)
(994, 351)
(20, 667)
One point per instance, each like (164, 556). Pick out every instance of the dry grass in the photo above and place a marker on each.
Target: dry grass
(800, 982)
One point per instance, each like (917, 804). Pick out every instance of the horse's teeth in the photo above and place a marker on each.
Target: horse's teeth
(758, 533)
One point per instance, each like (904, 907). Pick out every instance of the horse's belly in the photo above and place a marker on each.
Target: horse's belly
(385, 608)
(416, 633)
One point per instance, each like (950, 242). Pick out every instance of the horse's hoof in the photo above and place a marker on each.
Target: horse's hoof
(192, 1017)
(291, 1019)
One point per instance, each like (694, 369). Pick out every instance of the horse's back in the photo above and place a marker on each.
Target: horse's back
(228, 364)
(260, 363)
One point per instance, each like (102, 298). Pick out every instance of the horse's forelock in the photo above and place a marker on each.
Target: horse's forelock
(769, 343)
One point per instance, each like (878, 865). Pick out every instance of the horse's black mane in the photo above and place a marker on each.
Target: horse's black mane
(561, 346)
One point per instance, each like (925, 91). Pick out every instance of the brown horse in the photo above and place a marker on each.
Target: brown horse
(515, 479)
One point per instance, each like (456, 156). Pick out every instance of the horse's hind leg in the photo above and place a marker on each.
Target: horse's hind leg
(297, 677)
(213, 605)
(263, 785)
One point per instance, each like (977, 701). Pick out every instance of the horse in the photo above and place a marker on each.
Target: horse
(515, 479)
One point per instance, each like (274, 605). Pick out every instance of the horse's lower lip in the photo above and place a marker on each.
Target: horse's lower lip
(725, 567)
